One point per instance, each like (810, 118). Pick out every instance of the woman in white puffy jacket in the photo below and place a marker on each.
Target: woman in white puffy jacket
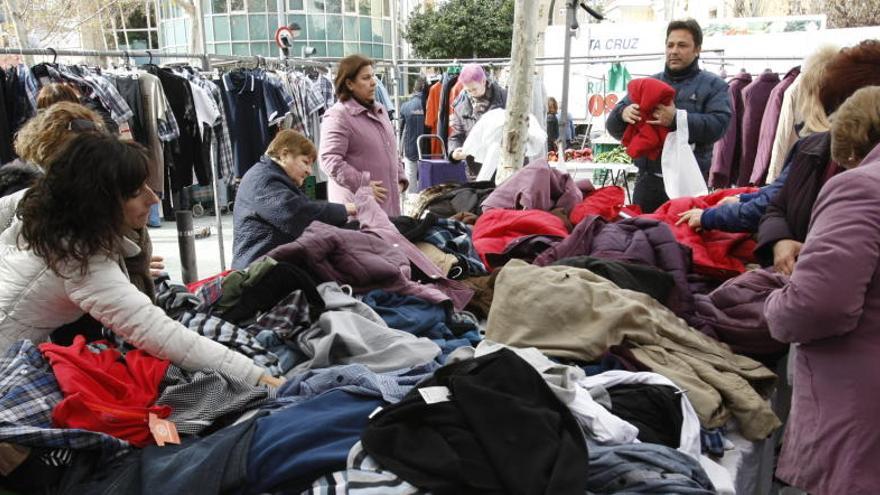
(64, 259)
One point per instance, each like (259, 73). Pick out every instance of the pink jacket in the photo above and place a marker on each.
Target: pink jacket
(355, 140)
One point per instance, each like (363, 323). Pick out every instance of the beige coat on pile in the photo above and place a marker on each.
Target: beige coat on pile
(573, 313)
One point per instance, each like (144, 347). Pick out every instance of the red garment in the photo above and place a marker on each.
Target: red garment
(195, 286)
(453, 95)
(715, 253)
(497, 227)
(606, 202)
(432, 117)
(642, 139)
(105, 393)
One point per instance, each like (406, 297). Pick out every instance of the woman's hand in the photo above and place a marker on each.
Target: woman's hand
(692, 217)
(271, 381)
(458, 154)
(403, 185)
(351, 209)
(785, 255)
(379, 192)
(157, 266)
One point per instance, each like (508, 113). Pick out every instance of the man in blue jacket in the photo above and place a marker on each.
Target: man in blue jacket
(702, 94)
(412, 125)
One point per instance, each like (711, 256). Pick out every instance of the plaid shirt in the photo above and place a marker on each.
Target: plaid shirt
(103, 90)
(327, 91)
(29, 82)
(225, 160)
(28, 393)
(233, 337)
(454, 237)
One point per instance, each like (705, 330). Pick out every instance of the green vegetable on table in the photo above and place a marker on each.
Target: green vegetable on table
(616, 155)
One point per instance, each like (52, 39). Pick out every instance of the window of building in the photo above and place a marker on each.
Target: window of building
(351, 28)
(236, 5)
(239, 25)
(256, 5)
(221, 28)
(259, 27)
(219, 6)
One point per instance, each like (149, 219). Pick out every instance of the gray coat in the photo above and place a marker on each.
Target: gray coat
(704, 96)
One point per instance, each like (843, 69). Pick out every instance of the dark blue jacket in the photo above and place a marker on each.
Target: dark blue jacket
(412, 125)
(745, 215)
(704, 96)
(270, 210)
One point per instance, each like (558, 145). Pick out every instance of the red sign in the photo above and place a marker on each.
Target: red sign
(285, 32)
(597, 105)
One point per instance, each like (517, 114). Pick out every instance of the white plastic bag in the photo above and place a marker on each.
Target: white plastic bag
(681, 173)
(484, 141)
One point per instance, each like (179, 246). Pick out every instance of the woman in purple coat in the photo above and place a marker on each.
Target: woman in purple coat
(358, 145)
(830, 309)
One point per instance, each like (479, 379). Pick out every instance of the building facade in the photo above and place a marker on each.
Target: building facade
(333, 28)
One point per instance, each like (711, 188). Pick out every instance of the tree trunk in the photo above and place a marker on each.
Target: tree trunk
(21, 31)
(519, 96)
(193, 9)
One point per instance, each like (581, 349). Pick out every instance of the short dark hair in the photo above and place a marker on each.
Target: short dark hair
(348, 71)
(851, 69)
(689, 25)
(75, 211)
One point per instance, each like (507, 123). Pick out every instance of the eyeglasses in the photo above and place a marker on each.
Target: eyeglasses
(82, 125)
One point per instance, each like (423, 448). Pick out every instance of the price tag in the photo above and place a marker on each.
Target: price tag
(163, 431)
(434, 395)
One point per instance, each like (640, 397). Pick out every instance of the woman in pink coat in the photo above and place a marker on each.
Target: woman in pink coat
(358, 145)
(830, 309)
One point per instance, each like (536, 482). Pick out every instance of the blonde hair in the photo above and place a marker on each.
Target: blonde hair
(855, 129)
(293, 142)
(42, 137)
(812, 112)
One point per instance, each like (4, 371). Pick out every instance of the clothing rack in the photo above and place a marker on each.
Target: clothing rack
(206, 61)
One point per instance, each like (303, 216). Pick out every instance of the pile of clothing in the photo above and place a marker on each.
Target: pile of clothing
(488, 346)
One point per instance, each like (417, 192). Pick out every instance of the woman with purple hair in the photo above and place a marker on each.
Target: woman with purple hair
(479, 96)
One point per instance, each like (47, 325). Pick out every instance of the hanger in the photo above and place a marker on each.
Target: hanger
(454, 69)
(54, 54)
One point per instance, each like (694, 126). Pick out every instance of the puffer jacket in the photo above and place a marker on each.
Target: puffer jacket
(34, 301)
(536, 186)
(635, 240)
(465, 117)
(361, 260)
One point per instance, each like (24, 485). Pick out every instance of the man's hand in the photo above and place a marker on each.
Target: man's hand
(379, 192)
(157, 266)
(785, 255)
(631, 114)
(458, 154)
(729, 200)
(664, 115)
(692, 217)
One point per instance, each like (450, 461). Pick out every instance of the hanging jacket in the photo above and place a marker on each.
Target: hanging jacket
(770, 125)
(715, 253)
(726, 152)
(643, 139)
(412, 125)
(271, 210)
(755, 97)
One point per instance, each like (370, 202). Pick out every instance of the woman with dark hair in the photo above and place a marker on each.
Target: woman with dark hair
(66, 258)
(830, 309)
(358, 146)
(53, 93)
